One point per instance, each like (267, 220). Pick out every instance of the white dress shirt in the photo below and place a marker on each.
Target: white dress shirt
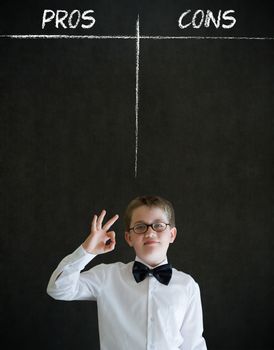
(137, 316)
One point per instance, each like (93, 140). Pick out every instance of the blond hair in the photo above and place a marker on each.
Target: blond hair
(149, 201)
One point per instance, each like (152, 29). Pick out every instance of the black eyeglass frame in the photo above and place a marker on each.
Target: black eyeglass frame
(147, 226)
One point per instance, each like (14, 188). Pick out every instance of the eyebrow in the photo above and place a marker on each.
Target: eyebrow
(143, 222)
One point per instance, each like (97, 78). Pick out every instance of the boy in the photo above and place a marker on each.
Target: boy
(145, 304)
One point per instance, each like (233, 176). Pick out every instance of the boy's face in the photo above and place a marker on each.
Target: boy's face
(150, 246)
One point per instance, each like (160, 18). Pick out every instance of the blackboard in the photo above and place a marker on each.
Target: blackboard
(138, 106)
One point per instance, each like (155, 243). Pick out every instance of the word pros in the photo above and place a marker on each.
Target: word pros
(64, 19)
(201, 17)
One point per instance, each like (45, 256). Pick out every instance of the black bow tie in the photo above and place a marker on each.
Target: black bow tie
(163, 273)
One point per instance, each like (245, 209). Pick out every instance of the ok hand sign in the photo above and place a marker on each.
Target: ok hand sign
(100, 240)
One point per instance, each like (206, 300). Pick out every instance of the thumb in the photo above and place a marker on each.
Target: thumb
(110, 243)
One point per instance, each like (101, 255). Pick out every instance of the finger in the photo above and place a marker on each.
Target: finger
(110, 243)
(111, 246)
(94, 223)
(111, 235)
(110, 238)
(100, 219)
(110, 222)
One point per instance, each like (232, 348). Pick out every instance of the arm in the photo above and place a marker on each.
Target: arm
(192, 327)
(67, 282)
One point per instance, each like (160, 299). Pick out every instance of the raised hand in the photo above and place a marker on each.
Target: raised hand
(100, 240)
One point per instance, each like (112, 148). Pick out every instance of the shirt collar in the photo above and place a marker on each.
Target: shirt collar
(165, 261)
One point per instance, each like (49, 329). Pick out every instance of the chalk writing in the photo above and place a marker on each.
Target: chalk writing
(196, 19)
(64, 19)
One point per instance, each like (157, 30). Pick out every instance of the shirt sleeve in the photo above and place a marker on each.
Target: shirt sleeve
(192, 327)
(67, 282)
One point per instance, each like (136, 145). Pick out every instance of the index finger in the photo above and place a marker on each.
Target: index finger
(110, 222)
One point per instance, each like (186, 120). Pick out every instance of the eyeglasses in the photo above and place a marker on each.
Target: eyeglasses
(142, 228)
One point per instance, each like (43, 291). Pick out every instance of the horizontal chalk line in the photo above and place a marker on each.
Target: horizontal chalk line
(34, 36)
(205, 37)
(132, 37)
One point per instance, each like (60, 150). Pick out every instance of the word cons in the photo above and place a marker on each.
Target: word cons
(64, 19)
(206, 18)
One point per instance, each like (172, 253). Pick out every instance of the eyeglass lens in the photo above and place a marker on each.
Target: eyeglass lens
(142, 228)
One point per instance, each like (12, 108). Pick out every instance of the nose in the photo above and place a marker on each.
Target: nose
(150, 232)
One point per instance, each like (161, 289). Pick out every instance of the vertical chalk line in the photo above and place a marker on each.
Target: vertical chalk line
(137, 95)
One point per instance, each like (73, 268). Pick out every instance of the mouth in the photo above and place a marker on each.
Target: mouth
(151, 242)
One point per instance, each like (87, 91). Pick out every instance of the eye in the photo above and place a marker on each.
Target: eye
(159, 226)
(140, 228)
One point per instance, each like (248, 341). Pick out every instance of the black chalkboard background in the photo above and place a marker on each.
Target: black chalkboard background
(205, 142)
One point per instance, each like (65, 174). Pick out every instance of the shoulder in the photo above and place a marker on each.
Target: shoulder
(116, 267)
(184, 279)
(107, 274)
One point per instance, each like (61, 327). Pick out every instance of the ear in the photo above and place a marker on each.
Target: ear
(128, 238)
(173, 233)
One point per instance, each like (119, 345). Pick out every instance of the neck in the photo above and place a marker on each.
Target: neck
(152, 263)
